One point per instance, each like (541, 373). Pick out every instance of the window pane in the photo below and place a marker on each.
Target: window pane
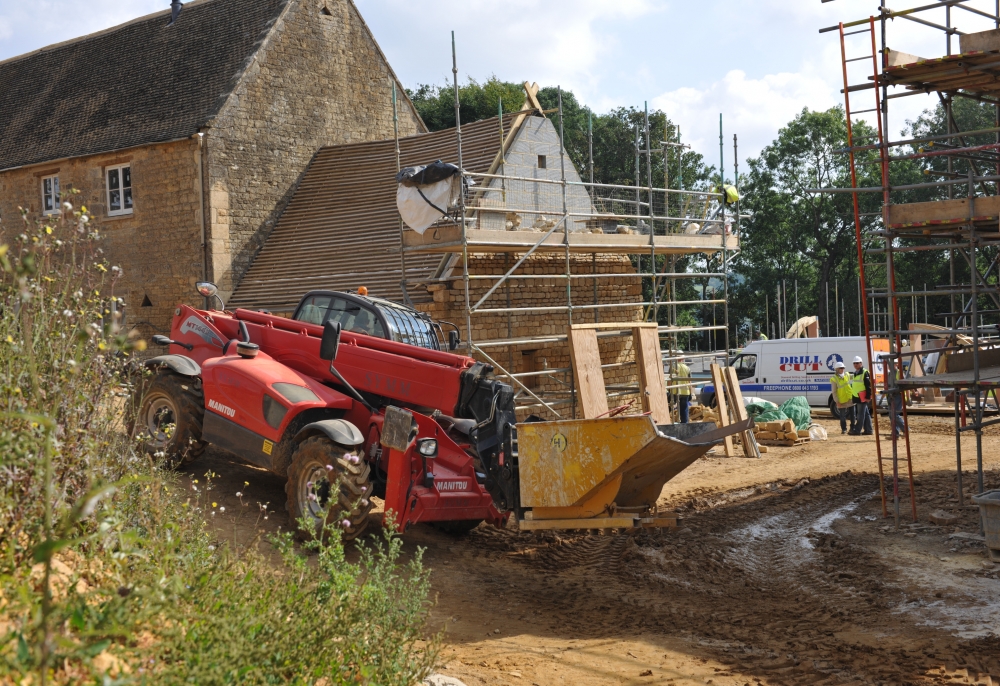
(128, 198)
(126, 177)
(55, 187)
(115, 201)
(113, 180)
(314, 309)
(47, 186)
(47, 201)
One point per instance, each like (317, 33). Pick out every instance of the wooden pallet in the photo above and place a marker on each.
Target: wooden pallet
(785, 443)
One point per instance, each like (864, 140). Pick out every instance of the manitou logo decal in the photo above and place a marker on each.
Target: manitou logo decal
(222, 409)
(193, 325)
(450, 485)
(799, 363)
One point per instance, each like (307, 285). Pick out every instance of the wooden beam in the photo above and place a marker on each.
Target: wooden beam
(722, 406)
(646, 343)
(585, 355)
(739, 411)
(617, 325)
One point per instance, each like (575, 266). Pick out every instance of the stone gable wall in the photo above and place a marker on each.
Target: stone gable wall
(158, 246)
(449, 305)
(318, 80)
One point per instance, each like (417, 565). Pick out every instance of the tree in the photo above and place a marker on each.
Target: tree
(436, 104)
(794, 234)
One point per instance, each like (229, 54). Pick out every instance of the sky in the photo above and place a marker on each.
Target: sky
(756, 62)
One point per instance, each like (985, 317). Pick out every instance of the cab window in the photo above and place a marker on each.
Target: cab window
(746, 366)
(354, 318)
(313, 310)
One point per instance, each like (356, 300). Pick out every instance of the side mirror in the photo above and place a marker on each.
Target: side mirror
(206, 289)
(453, 340)
(331, 341)
(161, 340)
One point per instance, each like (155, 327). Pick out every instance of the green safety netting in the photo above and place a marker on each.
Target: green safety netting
(797, 409)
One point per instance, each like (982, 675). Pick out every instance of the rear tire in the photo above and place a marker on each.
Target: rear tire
(459, 527)
(317, 466)
(169, 419)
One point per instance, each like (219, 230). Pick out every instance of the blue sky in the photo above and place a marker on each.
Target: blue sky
(759, 62)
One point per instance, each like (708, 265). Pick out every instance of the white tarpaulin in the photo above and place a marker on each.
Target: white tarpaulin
(421, 206)
(425, 193)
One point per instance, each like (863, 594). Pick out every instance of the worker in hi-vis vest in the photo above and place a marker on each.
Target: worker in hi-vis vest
(843, 395)
(682, 378)
(861, 386)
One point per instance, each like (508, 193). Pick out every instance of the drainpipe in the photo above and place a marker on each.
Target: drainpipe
(201, 198)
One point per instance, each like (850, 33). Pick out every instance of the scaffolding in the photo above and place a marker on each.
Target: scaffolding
(558, 235)
(960, 223)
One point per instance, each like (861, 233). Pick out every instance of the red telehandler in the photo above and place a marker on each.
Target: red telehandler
(430, 432)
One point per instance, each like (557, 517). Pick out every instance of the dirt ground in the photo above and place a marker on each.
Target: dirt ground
(782, 571)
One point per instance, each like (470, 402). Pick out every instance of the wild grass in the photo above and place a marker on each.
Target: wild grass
(108, 573)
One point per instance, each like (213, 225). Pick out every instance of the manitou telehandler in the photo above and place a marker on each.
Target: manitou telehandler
(347, 416)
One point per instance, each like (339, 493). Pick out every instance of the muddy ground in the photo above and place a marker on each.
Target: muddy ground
(782, 571)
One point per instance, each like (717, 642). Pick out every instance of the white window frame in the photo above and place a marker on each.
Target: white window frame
(107, 189)
(55, 193)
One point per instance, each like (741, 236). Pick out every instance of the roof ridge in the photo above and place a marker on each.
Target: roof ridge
(97, 34)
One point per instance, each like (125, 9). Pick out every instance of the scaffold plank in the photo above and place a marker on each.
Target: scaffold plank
(448, 239)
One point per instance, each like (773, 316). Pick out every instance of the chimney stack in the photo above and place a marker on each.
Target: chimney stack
(175, 10)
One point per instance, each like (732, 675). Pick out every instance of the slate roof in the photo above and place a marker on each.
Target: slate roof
(139, 83)
(341, 228)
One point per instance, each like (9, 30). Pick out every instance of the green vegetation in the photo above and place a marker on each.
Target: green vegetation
(108, 573)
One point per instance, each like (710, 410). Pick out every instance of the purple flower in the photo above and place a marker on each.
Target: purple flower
(346, 524)
(329, 468)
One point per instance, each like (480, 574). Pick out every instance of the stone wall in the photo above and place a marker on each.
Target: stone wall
(158, 246)
(320, 79)
(449, 305)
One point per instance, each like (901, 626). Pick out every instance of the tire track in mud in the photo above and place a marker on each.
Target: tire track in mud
(760, 578)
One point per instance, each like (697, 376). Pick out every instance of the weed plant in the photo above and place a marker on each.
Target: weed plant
(108, 573)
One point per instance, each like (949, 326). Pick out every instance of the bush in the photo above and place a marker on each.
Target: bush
(107, 570)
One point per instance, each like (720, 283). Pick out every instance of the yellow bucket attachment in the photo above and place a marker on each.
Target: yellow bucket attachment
(605, 473)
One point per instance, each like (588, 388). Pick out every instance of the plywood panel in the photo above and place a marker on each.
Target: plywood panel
(646, 342)
(586, 358)
(722, 406)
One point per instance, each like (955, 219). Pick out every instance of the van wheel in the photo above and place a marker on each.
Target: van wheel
(834, 410)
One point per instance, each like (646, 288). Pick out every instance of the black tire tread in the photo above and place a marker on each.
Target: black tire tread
(353, 478)
(186, 445)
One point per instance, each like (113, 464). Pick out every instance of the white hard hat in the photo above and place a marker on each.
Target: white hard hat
(839, 365)
(858, 360)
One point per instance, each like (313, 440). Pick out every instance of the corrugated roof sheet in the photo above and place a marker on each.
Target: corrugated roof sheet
(142, 82)
(341, 228)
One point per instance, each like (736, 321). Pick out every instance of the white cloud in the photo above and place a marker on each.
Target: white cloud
(5, 30)
(752, 108)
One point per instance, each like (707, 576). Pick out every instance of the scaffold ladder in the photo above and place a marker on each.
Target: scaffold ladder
(877, 278)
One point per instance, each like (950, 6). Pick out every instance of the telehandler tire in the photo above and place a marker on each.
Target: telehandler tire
(317, 466)
(169, 418)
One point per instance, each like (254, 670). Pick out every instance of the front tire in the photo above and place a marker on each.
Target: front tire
(170, 416)
(834, 410)
(318, 464)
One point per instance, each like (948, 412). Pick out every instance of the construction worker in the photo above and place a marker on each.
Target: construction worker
(843, 396)
(861, 387)
(682, 377)
(761, 336)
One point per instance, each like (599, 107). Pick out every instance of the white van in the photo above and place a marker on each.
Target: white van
(791, 367)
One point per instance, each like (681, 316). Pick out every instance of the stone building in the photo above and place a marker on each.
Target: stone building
(187, 138)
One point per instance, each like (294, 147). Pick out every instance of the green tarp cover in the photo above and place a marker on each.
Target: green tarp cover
(797, 409)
